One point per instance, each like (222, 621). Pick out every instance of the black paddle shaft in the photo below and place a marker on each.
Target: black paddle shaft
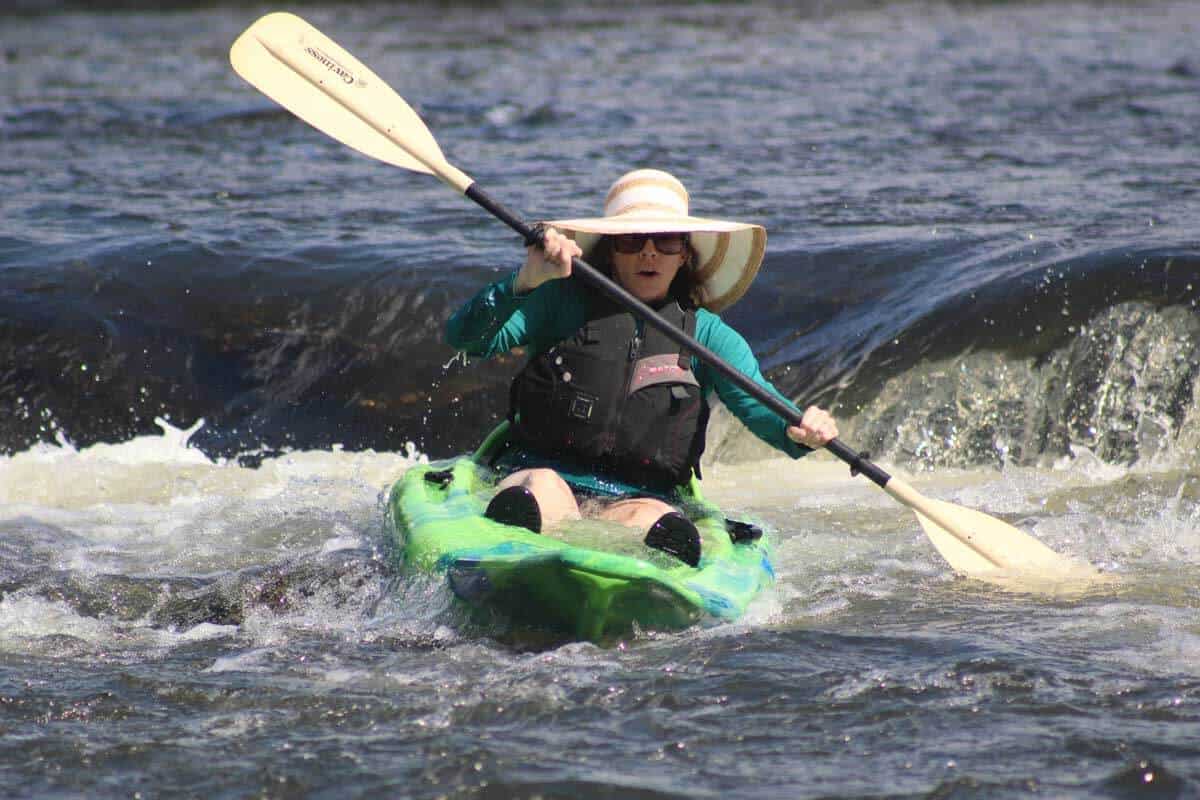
(858, 461)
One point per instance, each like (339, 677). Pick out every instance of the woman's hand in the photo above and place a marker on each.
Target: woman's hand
(816, 429)
(546, 263)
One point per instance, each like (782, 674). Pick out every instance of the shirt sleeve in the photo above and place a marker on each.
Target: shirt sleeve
(727, 343)
(497, 319)
(490, 322)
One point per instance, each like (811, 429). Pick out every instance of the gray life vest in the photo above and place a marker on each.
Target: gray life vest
(618, 397)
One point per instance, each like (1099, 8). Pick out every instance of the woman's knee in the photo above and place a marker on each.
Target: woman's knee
(638, 512)
(537, 481)
(555, 498)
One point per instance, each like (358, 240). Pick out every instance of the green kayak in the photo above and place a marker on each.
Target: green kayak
(594, 581)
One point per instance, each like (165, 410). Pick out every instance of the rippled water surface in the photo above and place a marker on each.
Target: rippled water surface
(220, 346)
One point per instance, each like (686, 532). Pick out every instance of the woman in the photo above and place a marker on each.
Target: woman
(606, 401)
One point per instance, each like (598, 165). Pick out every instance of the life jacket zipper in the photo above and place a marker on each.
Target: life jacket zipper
(635, 347)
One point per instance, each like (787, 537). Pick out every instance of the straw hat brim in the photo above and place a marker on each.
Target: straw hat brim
(730, 253)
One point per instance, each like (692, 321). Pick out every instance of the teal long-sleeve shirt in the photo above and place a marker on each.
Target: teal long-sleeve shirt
(497, 319)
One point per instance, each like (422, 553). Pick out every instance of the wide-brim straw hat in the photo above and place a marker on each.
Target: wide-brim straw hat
(653, 201)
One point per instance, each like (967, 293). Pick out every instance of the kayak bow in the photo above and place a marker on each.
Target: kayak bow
(592, 581)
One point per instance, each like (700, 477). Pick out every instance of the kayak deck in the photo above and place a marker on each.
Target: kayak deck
(592, 581)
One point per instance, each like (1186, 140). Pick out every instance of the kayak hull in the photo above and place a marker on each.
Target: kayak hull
(593, 581)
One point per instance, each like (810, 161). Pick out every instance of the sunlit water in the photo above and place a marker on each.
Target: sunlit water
(220, 346)
(173, 625)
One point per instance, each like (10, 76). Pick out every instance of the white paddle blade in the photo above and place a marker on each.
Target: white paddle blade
(1029, 565)
(961, 558)
(1011, 547)
(310, 75)
(974, 543)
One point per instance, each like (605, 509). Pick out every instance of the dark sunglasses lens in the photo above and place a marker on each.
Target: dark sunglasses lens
(669, 244)
(630, 242)
(666, 243)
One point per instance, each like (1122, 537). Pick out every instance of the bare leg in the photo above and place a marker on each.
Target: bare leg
(665, 528)
(555, 499)
(637, 512)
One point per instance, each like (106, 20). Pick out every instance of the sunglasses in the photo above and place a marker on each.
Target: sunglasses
(668, 244)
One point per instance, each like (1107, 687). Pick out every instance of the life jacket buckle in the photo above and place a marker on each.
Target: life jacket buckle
(582, 406)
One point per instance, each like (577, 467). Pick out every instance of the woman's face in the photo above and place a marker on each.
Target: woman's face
(645, 264)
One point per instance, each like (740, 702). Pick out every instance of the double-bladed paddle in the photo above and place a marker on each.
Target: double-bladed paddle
(309, 74)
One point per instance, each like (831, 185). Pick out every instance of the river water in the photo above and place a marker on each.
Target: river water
(220, 345)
